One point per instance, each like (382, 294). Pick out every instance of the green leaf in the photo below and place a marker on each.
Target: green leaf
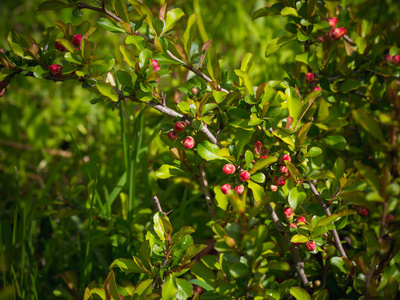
(107, 90)
(52, 5)
(185, 289)
(299, 293)
(221, 198)
(17, 44)
(241, 140)
(110, 26)
(258, 190)
(128, 55)
(189, 33)
(213, 64)
(204, 274)
(278, 43)
(336, 142)
(191, 252)
(265, 11)
(169, 288)
(145, 57)
(349, 85)
(318, 231)
(284, 136)
(289, 11)
(73, 58)
(392, 272)
(137, 41)
(323, 111)
(134, 265)
(122, 11)
(219, 96)
(162, 225)
(263, 163)
(247, 61)
(303, 132)
(143, 287)
(125, 78)
(369, 123)
(208, 151)
(309, 59)
(239, 270)
(294, 104)
(67, 44)
(313, 151)
(208, 107)
(298, 238)
(296, 197)
(327, 220)
(173, 16)
(111, 286)
(339, 263)
(370, 176)
(258, 177)
(86, 50)
(248, 83)
(202, 284)
(321, 175)
(167, 171)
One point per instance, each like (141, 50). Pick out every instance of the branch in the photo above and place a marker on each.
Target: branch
(203, 183)
(295, 253)
(328, 213)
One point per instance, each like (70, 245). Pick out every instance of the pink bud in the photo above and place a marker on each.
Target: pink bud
(1, 50)
(310, 246)
(264, 157)
(389, 217)
(301, 220)
(156, 69)
(172, 135)
(286, 157)
(288, 212)
(258, 147)
(76, 40)
(179, 126)
(194, 90)
(396, 59)
(273, 188)
(336, 33)
(280, 181)
(226, 188)
(188, 142)
(309, 78)
(292, 225)
(154, 63)
(316, 89)
(320, 39)
(239, 189)
(332, 21)
(283, 170)
(244, 176)
(56, 70)
(362, 211)
(228, 169)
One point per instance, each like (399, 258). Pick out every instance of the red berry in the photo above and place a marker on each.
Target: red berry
(273, 188)
(228, 169)
(362, 211)
(156, 69)
(292, 225)
(194, 90)
(389, 217)
(336, 33)
(226, 188)
(309, 78)
(396, 59)
(179, 126)
(301, 220)
(310, 246)
(320, 39)
(172, 135)
(258, 147)
(288, 212)
(56, 70)
(188, 142)
(280, 181)
(59, 47)
(239, 189)
(283, 170)
(154, 63)
(76, 40)
(286, 157)
(244, 176)
(332, 21)
(315, 89)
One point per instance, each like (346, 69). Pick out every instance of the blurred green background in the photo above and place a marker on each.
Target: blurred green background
(56, 149)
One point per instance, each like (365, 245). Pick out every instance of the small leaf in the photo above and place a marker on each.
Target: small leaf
(349, 85)
(284, 136)
(173, 16)
(129, 265)
(370, 175)
(296, 197)
(265, 11)
(185, 289)
(337, 142)
(321, 175)
(213, 64)
(313, 152)
(289, 11)
(51, 5)
(258, 177)
(263, 163)
(339, 263)
(167, 171)
(169, 288)
(107, 90)
(248, 83)
(258, 190)
(278, 43)
(299, 293)
(294, 104)
(110, 26)
(298, 238)
(369, 123)
(189, 33)
(208, 151)
(247, 61)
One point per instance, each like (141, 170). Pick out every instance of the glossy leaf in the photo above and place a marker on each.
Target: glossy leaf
(369, 123)
(110, 26)
(167, 171)
(173, 16)
(189, 33)
(278, 43)
(107, 90)
(213, 64)
(208, 151)
(299, 293)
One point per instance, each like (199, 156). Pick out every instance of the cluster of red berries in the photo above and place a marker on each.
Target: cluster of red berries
(392, 60)
(244, 176)
(188, 142)
(335, 33)
(288, 213)
(76, 41)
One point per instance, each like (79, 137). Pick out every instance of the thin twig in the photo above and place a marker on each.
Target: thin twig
(328, 213)
(203, 183)
(295, 253)
(158, 205)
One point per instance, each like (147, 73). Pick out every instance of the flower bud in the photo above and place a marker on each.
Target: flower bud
(362, 211)
(244, 176)
(59, 47)
(273, 188)
(309, 78)
(320, 39)
(179, 126)
(285, 157)
(283, 170)
(264, 157)
(336, 33)
(389, 217)
(194, 90)
(188, 142)
(56, 70)
(392, 60)
(292, 225)
(258, 147)
(76, 40)
(310, 246)
(301, 220)
(239, 189)
(280, 181)
(332, 22)
(316, 89)
(288, 213)
(226, 188)
(154, 63)
(229, 169)
(172, 135)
